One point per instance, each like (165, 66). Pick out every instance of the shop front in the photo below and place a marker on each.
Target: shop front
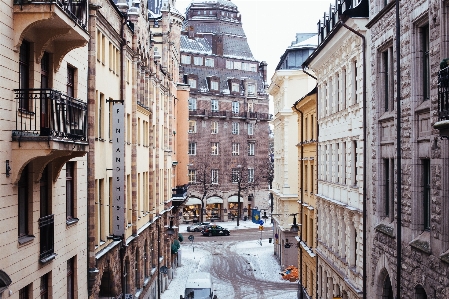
(233, 207)
(191, 211)
(214, 209)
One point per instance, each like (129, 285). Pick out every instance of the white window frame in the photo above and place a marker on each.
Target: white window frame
(250, 129)
(244, 66)
(237, 65)
(186, 59)
(214, 176)
(229, 64)
(235, 149)
(235, 107)
(192, 148)
(235, 87)
(235, 128)
(251, 148)
(197, 60)
(214, 127)
(192, 126)
(235, 174)
(253, 67)
(192, 82)
(192, 176)
(214, 85)
(251, 88)
(214, 105)
(250, 107)
(210, 62)
(214, 146)
(250, 175)
(192, 104)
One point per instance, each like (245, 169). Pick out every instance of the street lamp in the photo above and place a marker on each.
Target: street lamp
(294, 227)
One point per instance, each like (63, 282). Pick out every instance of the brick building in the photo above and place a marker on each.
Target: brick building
(228, 124)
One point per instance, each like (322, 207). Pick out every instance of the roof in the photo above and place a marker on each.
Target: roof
(214, 2)
(197, 45)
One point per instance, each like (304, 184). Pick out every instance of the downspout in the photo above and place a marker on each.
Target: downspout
(398, 157)
(364, 233)
(302, 197)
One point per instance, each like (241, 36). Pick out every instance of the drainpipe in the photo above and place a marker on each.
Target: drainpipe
(364, 259)
(398, 156)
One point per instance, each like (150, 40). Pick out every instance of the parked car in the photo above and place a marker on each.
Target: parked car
(215, 230)
(197, 227)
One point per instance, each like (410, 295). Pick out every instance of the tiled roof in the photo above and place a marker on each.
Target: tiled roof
(197, 45)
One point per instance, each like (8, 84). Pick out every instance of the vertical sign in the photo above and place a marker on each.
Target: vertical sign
(118, 169)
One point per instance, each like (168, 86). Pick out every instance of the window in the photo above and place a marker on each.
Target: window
(235, 175)
(23, 202)
(209, 62)
(214, 148)
(192, 83)
(387, 80)
(198, 60)
(251, 148)
(70, 81)
(250, 175)
(192, 148)
(251, 89)
(24, 293)
(24, 74)
(214, 105)
(388, 182)
(424, 36)
(250, 129)
(192, 176)
(235, 149)
(214, 127)
(354, 80)
(250, 107)
(235, 87)
(70, 189)
(71, 278)
(245, 66)
(354, 163)
(426, 192)
(235, 128)
(192, 126)
(237, 65)
(44, 286)
(214, 85)
(185, 59)
(214, 176)
(192, 104)
(229, 64)
(253, 67)
(235, 107)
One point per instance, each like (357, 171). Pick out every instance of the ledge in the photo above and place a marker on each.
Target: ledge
(423, 246)
(385, 229)
(26, 239)
(71, 221)
(48, 258)
(445, 257)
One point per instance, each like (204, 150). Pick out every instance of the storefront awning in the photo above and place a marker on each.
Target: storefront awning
(234, 198)
(214, 199)
(193, 201)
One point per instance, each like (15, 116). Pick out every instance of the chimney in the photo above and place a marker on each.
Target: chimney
(263, 71)
(217, 45)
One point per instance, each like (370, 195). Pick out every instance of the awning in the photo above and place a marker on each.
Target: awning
(214, 199)
(234, 198)
(193, 201)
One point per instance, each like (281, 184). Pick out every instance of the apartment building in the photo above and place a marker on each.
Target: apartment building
(228, 115)
(339, 65)
(288, 83)
(137, 158)
(43, 149)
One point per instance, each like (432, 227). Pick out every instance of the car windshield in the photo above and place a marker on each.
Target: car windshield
(197, 294)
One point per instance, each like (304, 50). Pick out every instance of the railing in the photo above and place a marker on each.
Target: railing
(443, 94)
(180, 191)
(75, 9)
(48, 112)
(218, 113)
(200, 112)
(47, 239)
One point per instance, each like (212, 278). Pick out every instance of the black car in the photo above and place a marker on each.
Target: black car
(215, 230)
(197, 227)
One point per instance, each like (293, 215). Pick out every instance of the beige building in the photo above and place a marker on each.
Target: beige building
(287, 85)
(43, 148)
(305, 108)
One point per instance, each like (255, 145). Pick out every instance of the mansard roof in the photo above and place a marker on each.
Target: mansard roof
(197, 45)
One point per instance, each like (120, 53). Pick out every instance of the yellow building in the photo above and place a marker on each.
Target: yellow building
(307, 183)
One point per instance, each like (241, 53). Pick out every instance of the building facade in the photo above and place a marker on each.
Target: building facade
(137, 158)
(339, 66)
(44, 146)
(305, 108)
(288, 83)
(409, 150)
(228, 107)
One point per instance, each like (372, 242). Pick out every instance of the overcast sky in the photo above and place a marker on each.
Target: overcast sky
(271, 25)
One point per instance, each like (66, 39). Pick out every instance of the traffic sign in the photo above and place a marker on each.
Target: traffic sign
(260, 227)
(191, 237)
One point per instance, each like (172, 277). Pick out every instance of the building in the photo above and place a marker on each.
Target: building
(305, 108)
(43, 149)
(338, 63)
(228, 107)
(409, 201)
(288, 83)
(137, 157)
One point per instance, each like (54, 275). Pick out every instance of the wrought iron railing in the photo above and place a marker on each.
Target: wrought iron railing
(180, 191)
(48, 112)
(200, 112)
(75, 9)
(47, 238)
(443, 94)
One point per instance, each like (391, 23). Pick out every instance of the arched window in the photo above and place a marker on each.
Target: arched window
(106, 285)
(387, 290)
(420, 293)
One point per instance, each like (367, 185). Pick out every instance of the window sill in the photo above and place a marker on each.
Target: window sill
(72, 221)
(385, 229)
(422, 242)
(48, 258)
(26, 239)
(445, 257)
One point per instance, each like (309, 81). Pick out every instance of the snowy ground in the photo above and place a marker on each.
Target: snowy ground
(198, 257)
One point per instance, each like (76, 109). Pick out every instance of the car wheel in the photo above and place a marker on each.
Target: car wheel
(227, 234)
(210, 234)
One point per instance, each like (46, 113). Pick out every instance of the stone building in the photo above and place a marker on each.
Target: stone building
(305, 108)
(137, 158)
(288, 83)
(338, 63)
(228, 106)
(43, 150)
(409, 150)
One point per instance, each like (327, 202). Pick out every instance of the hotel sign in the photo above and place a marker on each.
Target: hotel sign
(118, 169)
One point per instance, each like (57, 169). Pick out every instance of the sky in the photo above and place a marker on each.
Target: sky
(271, 26)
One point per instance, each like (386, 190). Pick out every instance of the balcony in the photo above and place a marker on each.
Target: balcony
(443, 103)
(49, 125)
(47, 238)
(179, 195)
(198, 112)
(52, 24)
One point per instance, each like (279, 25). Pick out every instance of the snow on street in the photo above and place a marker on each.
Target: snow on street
(240, 270)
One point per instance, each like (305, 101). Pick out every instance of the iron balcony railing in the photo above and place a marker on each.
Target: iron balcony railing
(180, 191)
(200, 112)
(48, 112)
(443, 94)
(47, 239)
(75, 9)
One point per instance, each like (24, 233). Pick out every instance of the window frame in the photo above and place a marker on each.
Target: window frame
(214, 148)
(251, 149)
(214, 176)
(426, 193)
(192, 104)
(192, 176)
(192, 148)
(186, 59)
(192, 126)
(214, 105)
(70, 190)
(198, 60)
(250, 128)
(235, 107)
(235, 128)
(235, 149)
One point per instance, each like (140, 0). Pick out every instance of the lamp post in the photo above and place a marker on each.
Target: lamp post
(295, 228)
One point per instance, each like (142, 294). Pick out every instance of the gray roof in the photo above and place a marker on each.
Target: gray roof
(197, 45)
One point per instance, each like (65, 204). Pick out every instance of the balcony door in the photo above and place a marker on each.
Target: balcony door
(45, 102)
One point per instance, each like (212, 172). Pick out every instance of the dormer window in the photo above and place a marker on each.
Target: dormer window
(198, 60)
(214, 85)
(185, 59)
(235, 87)
(192, 83)
(253, 67)
(209, 62)
(251, 88)
(229, 64)
(237, 65)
